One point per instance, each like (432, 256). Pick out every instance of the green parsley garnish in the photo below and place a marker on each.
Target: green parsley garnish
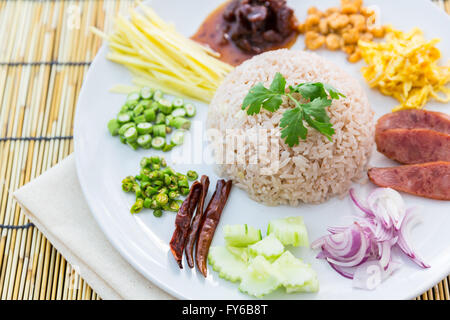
(320, 96)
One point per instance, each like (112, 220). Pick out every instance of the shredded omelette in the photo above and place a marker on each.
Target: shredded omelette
(405, 67)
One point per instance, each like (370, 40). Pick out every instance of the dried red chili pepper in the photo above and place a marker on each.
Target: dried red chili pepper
(183, 222)
(195, 225)
(209, 224)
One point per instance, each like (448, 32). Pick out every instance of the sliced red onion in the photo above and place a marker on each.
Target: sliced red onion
(404, 235)
(358, 203)
(388, 205)
(369, 240)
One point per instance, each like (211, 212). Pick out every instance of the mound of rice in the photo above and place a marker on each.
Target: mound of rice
(312, 171)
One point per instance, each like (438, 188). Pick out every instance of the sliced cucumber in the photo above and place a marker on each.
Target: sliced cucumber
(178, 137)
(269, 247)
(158, 143)
(240, 252)
(295, 275)
(226, 264)
(260, 278)
(190, 110)
(179, 112)
(241, 235)
(290, 231)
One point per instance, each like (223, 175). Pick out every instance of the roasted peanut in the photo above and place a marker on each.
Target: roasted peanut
(341, 28)
(314, 40)
(351, 36)
(358, 21)
(333, 41)
(338, 21)
(323, 26)
(311, 21)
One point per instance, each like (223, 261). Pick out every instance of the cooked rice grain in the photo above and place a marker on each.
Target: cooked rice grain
(314, 170)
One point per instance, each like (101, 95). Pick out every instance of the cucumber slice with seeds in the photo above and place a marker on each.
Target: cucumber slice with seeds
(295, 275)
(226, 264)
(260, 278)
(241, 235)
(240, 252)
(269, 247)
(290, 231)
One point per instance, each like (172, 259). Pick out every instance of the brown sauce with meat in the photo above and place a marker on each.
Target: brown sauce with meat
(215, 32)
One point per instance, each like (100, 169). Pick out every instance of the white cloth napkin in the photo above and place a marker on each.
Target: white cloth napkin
(55, 204)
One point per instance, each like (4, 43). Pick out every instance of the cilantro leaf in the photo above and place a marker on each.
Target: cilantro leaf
(293, 128)
(269, 99)
(278, 84)
(334, 94)
(325, 128)
(316, 109)
(319, 95)
(314, 90)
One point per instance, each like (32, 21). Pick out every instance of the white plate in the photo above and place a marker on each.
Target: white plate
(102, 162)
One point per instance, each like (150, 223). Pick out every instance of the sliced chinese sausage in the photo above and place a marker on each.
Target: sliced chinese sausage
(429, 180)
(411, 146)
(414, 119)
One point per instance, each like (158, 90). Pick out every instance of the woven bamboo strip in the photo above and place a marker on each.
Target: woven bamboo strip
(40, 101)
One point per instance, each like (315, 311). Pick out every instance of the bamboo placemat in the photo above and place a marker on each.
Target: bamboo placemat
(45, 51)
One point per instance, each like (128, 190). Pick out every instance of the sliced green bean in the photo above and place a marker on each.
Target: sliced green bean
(190, 110)
(131, 134)
(180, 123)
(150, 115)
(165, 106)
(144, 128)
(123, 118)
(180, 112)
(113, 127)
(145, 141)
(137, 206)
(159, 130)
(178, 137)
(158, 94)
(160, 118)
(158, 143)
(178, 103)
(146, 93)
